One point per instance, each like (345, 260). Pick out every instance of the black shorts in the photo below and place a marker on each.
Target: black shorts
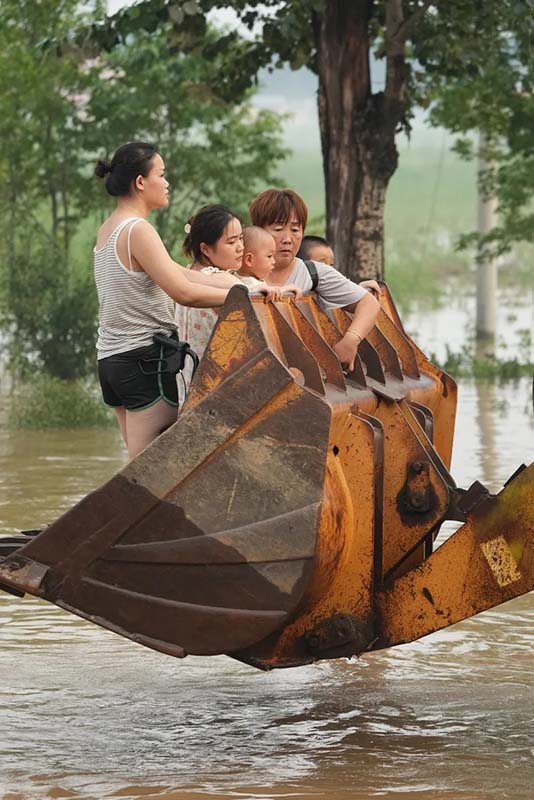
(137, 379)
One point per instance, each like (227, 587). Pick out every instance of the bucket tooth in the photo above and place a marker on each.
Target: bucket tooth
(297, 356)
(401, 343)
(326, 359)
(387, 353)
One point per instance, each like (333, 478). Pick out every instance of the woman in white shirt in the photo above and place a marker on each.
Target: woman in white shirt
(214, 242)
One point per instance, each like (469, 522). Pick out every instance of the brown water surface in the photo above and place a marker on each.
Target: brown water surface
(86, 714)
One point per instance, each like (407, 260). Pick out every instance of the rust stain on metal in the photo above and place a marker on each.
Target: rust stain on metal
(501, 561)
(23, 574)
(233, 343)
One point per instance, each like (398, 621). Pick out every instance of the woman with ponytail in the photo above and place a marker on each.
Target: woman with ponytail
(214, 243)
(138, 284)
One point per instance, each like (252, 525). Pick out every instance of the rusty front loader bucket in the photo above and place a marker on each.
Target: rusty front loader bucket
(289, 515)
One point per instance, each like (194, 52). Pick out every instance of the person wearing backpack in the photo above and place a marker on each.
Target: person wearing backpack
(284, 214)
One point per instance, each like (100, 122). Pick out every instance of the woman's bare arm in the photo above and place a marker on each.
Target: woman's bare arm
(363, 320)
(223, 280)
(151, 254)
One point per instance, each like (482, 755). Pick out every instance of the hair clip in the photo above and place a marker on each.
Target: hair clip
(187, 228)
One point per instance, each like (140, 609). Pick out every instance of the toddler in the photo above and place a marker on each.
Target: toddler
(258, 262)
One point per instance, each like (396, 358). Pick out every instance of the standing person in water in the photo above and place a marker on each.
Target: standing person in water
(137, 285)
(214, 242)
(283, 213)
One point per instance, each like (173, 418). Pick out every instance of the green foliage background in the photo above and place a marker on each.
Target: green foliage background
(65, 102)
(73, 85)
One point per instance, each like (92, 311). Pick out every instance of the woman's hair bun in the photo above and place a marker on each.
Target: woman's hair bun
(130, 160)
(102, 168)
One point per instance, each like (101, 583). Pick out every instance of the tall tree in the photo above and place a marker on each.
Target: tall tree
(485, 83)
(48, 308)
(146, 87)
(426, 47)
(63, 102)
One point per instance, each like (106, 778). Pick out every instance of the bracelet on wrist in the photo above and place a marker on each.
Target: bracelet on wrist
(358, 335)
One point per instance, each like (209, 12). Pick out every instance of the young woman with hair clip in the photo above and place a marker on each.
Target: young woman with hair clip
(138, 284)
(214, 242)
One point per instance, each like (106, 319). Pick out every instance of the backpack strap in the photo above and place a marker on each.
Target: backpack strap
(314, 275)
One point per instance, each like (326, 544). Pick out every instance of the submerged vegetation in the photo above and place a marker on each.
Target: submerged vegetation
(51, 403)
(465, 363)
(480, 360)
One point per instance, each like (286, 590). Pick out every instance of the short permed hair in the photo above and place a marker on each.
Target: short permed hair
(277, 205)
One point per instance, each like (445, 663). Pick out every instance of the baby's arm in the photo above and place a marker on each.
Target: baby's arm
(276, 292)
(270, 292)
(153, 257)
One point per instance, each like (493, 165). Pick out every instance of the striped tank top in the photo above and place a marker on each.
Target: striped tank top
(132, 307)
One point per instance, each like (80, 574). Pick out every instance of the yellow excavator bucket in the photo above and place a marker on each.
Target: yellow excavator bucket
(290, 513)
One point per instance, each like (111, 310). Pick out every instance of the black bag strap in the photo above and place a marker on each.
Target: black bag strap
(314, 275)
(182, 350)
(172, 356)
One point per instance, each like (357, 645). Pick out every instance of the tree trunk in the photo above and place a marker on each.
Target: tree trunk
(487, 279)
(66, 221)
(53, 210)
(357, 129)
(12, 215)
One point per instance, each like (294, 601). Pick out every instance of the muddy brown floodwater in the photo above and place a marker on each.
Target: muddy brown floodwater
(86, 714)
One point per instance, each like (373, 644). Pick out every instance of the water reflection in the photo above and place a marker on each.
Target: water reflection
(450, 322)
(439, 718)
(43, 473)
(86, 714)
